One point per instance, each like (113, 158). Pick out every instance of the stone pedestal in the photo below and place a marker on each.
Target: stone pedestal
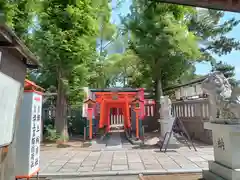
(226, 144)
(166, 126)
(166, 119)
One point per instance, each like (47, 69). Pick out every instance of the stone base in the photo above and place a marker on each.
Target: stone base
(166, 126)
(226, 147)
(226, 144)
(208, 175)
(220, 171)
(173, 143)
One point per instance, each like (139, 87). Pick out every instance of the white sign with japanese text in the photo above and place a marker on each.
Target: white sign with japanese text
(35, 133)
(28, 135)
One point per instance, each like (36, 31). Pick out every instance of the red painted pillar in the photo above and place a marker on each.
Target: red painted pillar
(141, 97)
(101, 121)
(108, 118)
(128, 123)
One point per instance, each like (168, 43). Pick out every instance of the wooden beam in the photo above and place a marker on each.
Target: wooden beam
(5, 35)
(5, 44)
(225, 5)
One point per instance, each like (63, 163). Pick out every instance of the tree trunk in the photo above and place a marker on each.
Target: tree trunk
(61, 111)
(124, 81)
(158, 93)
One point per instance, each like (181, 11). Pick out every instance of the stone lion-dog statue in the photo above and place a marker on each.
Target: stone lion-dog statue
(223, 99)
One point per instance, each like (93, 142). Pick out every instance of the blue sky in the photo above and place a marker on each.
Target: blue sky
(233, 58)
(201, 68)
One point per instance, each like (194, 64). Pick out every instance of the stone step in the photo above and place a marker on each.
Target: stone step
(208, 175)
(223, 171)
(117, 130)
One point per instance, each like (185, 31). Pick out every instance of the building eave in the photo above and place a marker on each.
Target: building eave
(9, 40)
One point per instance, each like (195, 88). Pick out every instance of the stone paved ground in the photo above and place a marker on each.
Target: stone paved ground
(77, 160)
(135, 177)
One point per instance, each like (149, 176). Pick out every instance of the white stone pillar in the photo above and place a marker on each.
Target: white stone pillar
(166, 119)
(226, 145)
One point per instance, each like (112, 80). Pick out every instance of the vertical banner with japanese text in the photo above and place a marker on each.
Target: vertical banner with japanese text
(35, 133)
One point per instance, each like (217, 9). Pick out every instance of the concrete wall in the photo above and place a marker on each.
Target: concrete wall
(150, 123)
(193, 114)
(12, 66)
(191, 90)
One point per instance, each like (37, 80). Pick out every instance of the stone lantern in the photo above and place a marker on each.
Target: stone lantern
(136, 104)
(15, 59)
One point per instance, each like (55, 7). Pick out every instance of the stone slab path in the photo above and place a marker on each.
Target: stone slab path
(73, 161)
(114, 142)
(102, 178)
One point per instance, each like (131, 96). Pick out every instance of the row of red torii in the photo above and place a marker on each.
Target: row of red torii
(101, 102)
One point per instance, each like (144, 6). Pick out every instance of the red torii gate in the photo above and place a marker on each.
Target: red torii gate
(121, 100)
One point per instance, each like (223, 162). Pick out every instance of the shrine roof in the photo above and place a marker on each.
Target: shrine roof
(226, 5)
(115, 90)
(9, 40)
(194, 81)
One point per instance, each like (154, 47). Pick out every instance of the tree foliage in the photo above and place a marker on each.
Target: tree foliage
(66, 43)
(160, 38)
(19, 15)
(206, 23)
(79, 46)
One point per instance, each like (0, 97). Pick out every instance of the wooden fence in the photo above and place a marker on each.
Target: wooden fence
(194, 113)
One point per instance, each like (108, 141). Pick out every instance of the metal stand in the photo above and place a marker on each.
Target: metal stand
(188, 137)
(170, 134)
(181, 130)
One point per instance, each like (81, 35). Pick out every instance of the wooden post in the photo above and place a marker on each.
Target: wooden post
(136, 104)
(143, 130)
(84, 134)
(137, 122)
(90, 111)
(128, 124)
(91, 105)
(90, 128)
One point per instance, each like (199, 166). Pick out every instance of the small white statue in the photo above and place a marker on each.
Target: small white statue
(169, 107)
(224, 102)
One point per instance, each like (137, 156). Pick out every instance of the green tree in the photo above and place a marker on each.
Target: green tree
(162, 41)
(66, 43)
(108, 34)
(122, 68)
(106, 29)
(205, 23)
(208, 26)
(19, 15)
